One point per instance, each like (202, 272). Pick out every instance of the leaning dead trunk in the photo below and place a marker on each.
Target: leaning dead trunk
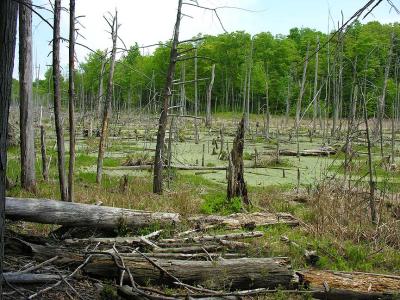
(107, 104)
(82, 215)
(26, 98)
(235, 173)
(230, 273)
(57, 101)
(209, 90)
(162, 123)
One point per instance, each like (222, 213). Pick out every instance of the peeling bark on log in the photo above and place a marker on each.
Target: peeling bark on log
(230, 274)
(350, 285)
(77, 214)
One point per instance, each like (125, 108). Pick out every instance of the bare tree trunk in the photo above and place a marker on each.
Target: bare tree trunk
(315, 110)
(45, 171)
(196, 126)
(162, 125)
(100, 90)
(301, 94)
(209, 91)
(57, 101)
(8, 26)
(107, 104)
(71, 93)
(381, 110)
(28, 178)
(287, 104)
(267, 126)
(372, 184)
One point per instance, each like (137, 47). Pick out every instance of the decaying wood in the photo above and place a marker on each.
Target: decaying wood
(247, 220)
(30, 278)
(309, 152)
(77, 214)
(189, 249)
(236, 184)
(207, 238)
(231, 274)
(350, 285)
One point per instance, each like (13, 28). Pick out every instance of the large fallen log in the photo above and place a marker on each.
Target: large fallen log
(350, 285)
(229, 274)
(246, 219)
(30, 278)
(215, 238)
(78, 214)
(309, 152)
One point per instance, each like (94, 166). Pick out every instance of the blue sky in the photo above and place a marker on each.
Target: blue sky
(150, 21)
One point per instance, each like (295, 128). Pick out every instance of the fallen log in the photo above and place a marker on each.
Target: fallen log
(78, 214)
(29, 278)
(210, 238)
(230, 274)
(250, 220)
(349, 285)
(309, 152)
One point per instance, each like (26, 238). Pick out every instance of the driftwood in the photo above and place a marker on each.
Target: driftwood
(77, 214)
(350, 285)
(249, 220)
(230, 274)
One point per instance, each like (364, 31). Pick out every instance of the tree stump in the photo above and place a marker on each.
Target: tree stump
(236, 185)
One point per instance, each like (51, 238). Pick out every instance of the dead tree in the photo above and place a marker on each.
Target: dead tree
(71, 94)
(107, 104)
(196, 104)
(57, 101)
(100, 90)
(8, 24)
(315, 110)
(235, 173)
(162, 123)
(209, 91)
(299, 100)
(27, 145)
(381, 107)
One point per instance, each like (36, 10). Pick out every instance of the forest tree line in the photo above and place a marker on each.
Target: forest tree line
(255, 67)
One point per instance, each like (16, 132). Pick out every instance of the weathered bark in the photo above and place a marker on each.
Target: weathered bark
(250, 221)
(71, 106)
(267, 114)
(210, 238)
(30, 278)
(100, 90)
(235, 174)
(57, 102)
(78, 215)
(209, 92)
(8, 24)
(231, 273)
(27, 145)
(162, 124)
(350, 285)
(107, 104)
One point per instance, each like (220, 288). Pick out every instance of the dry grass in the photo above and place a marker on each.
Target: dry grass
(345, 214)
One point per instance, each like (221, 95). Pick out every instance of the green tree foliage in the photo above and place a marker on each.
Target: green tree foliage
(278, 60)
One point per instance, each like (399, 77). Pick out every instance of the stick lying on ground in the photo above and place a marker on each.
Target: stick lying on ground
(77, 214)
